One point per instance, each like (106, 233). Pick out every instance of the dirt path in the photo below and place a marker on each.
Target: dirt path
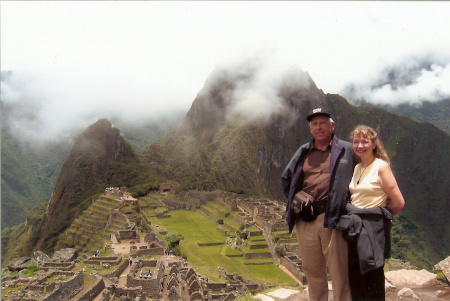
(123, 277)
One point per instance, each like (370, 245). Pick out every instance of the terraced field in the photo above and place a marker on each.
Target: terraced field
(213, 237)
(210, 255)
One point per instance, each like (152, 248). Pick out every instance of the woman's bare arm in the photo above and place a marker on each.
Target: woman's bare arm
(390, 187)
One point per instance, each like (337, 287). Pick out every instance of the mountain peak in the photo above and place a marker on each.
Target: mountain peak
(85, 172)
(247, 95)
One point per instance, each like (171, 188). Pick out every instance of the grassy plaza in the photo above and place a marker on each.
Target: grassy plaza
(196, 228)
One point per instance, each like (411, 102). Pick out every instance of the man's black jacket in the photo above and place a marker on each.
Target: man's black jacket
(342, 163)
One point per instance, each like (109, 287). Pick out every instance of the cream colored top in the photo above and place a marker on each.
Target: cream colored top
(368, 192)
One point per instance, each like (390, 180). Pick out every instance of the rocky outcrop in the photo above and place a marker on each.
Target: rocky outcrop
(65, 255)
(444, 266)
(21, 263)
(411, 278)
(41, 257)
(407, 293)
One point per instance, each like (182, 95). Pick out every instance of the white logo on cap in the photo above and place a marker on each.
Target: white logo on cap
(317, 110)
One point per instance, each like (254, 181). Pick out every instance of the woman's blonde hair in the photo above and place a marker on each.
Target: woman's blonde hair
(369, 133)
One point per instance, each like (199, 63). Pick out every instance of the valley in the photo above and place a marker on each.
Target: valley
(220, 210)
(229, 246)
(117, 238)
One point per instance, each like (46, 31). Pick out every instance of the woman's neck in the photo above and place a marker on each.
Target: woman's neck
(367, 161)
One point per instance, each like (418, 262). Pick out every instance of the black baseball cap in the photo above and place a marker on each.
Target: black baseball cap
(318, 111)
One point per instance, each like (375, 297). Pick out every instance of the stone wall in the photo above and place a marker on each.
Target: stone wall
(246, 206)
(229, 227)
(280, 225)
(128, 234)
(253, 287)
(151, 287)
(148, 263)
(257, 246)
(257, 255)
(222, 231)
(222, 213)
(43, 288)
(149, 251)
(264, 222)
(206, 213)
(242, 219)
(209, 244)
(293, 248)
(254, 233)
(93, 291)
(229, 200)
(217, 286)
(293, 268)
(173, 204)
(119, 270)
(130, 292)
(66, 289)
(150, 237)
(199, 197)
(65, 266)
(112, 260)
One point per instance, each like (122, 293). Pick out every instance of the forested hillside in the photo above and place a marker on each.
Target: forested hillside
(220, 146)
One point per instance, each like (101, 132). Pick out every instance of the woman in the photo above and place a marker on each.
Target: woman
(375, 197)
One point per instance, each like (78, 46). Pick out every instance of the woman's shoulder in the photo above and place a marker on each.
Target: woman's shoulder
(381, 164)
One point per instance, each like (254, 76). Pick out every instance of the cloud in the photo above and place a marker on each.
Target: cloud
(48, 107)
(413, 79)
(249, 90)
(139, 60)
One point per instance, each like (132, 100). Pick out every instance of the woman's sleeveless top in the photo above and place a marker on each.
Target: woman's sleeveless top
(365, 186)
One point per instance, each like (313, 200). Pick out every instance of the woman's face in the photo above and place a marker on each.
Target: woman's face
(363, 147)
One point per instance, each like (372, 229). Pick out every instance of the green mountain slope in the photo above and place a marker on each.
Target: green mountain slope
(28, 175)
(220, 147)
(30, 169)
(249, 157)
(99, 158)
(436, 113)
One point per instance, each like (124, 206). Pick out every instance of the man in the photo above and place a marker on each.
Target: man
(323, 169)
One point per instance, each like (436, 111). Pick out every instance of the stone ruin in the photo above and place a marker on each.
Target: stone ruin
(127, 235)
(166, 188)
(56, 279)
(151, 287)
(178, 279)
(120, 194)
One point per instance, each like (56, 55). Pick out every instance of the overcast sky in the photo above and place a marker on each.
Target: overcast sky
(75, 62)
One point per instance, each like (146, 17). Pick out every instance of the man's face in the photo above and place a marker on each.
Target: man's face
(321, 128)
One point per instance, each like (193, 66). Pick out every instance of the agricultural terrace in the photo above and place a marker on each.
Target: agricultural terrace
(207, 250)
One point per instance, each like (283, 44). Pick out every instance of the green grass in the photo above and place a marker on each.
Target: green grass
(31, 271)
(248, 250)
(233, 252)
(230, 221)
(219, 206)
(206, 260)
